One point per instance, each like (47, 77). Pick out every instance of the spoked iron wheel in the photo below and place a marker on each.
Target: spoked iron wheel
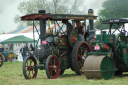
(28, 68)
(52, 67)
(118, 39)
(1, 59)
(79, 54)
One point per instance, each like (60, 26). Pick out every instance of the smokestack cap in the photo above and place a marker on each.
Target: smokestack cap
(90, 12)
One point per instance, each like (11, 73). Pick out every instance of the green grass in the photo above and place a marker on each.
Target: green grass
(11, 74)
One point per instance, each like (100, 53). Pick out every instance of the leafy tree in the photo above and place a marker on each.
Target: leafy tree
(113, 9)
(51, 6)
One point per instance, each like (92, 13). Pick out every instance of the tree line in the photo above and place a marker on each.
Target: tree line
(110, 9)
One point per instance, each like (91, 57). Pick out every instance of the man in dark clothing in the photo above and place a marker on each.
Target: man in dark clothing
(31, 49)
(1, 48)
(86, 32)
(69, 26)
(22, 51)
(26, 51)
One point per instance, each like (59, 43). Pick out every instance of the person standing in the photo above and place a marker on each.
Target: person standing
(80, 30)
(1, 49)
(22, 51)
(27, 52)
(31, 49)
(69, 26)
(6, 54)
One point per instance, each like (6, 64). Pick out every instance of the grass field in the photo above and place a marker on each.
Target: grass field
(11, 74)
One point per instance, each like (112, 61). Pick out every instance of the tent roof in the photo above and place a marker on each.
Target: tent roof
(17, 39)
(29, 29)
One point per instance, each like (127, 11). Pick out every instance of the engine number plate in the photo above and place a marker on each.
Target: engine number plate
(96, 47)
(44, 42)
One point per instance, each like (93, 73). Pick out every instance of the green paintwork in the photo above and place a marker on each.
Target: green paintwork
(64, 63)
(107, 38)
(73, 38)
(122, 50)
(98, 53)
(63, 43)
(107, 68)
(102, 49)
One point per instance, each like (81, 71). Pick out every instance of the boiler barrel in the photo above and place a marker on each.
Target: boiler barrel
(42, 52)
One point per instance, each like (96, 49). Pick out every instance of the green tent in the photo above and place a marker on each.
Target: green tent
(18, 39)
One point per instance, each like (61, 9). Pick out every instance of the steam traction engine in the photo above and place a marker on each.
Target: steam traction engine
(111, 56)
(58, 51)
(1, 59)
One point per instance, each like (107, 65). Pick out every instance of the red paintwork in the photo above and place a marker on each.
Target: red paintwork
(51, 67)
(63, 43)
(73, 38)
(106, 46)
(124, 50)
(35, 16)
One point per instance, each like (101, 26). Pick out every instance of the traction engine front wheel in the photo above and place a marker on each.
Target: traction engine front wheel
(52, 67)
(28, 68)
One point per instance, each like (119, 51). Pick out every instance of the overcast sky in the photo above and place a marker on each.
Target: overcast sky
(8, 9)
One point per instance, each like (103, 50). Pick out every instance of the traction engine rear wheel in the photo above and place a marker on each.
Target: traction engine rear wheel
(79, 54)
(52, 67)
(1, 59)
(28, 64)
(118, 39)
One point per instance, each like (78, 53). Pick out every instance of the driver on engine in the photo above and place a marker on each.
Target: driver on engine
(69, 26)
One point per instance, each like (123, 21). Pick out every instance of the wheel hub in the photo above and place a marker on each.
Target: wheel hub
(29, 68)
(83, 58)
(74, 39)
(53, 67)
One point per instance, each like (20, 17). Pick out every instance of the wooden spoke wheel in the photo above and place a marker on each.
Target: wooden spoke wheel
(52, 67)
(1, 59)
(28, 68)
(79, 55)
